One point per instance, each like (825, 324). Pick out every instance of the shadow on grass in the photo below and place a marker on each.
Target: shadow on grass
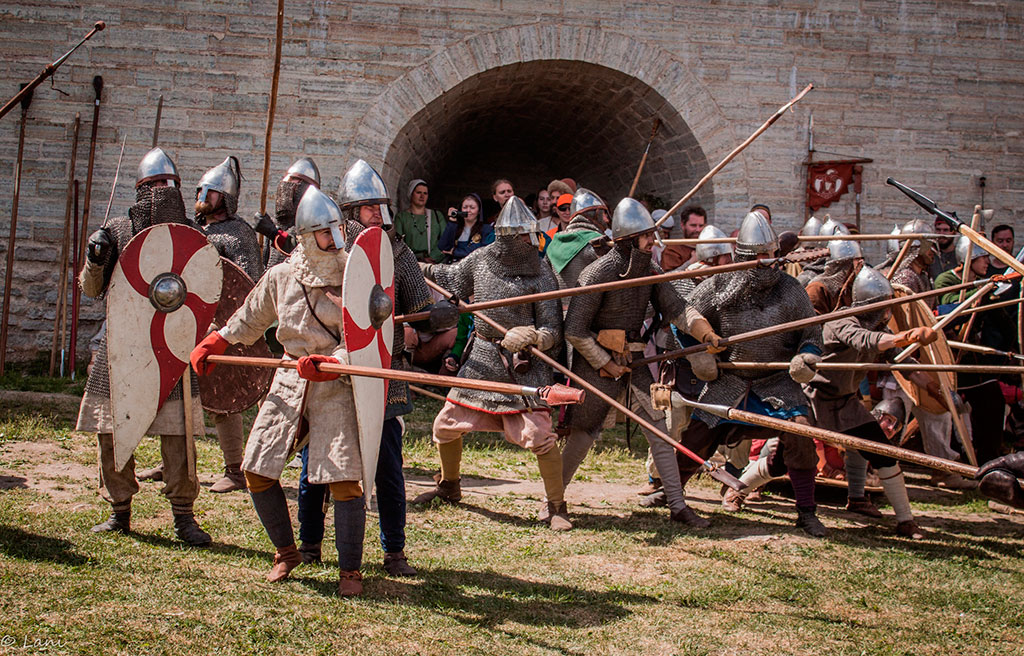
(20, 544)
(13, 483)
(216, 547)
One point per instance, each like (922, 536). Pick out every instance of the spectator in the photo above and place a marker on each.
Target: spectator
(421, 228)
(465, 232)
(694, 218)
(1002, 236)
(945, 254)
(542, 210)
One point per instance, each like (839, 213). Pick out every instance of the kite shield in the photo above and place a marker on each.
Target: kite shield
(163, 293)
(368, 296)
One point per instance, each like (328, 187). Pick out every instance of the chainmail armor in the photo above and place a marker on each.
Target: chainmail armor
(236, 241)
(811, 270)
(506, 268)
(289, 193)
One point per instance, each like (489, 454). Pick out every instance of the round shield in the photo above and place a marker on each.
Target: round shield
(230, 390)
(163, 293)
(368, 295)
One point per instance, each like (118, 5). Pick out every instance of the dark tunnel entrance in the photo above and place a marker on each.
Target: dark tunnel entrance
(535, 121)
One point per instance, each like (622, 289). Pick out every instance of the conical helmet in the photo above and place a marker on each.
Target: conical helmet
(630, 219)
(304, 169)
(226, 178)
(812, 228)
(831, 227)
(584, 200)
(893, 407)
(917, 226)
(316, 211)
(893, 245)
(704, 251)
(843, 249)
(965, 246)
(156, 165)
(756, 237)
(869, 286)
(515, 218)
(362, 185)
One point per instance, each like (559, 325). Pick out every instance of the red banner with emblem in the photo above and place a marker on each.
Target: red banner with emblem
(827, 182)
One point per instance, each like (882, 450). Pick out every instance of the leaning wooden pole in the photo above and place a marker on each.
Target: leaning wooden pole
(59, 315)
(26, 100)
(949, 317)
(880, 366)
(271, 109)
(643, 160)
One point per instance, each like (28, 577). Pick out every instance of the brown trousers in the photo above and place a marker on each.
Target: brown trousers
(181, 486)
(231, 437)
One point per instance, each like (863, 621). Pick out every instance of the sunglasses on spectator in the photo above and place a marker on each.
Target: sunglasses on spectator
(563, 208)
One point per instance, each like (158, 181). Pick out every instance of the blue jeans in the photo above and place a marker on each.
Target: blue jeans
(390, 483)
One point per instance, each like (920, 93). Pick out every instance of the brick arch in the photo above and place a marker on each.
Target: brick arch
(537, 101)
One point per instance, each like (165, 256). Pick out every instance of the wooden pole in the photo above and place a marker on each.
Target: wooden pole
(948, 317)
(902, 255)
(736, 151)
(26, 100)
(74, 288)
(156, 124)
(880, 366)
(271, 109)
(59, 315)
(986, 350)
(693, 241)
(643, 160)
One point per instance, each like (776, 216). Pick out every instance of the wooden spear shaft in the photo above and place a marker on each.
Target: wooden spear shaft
(808, 321)
(26, 99)
(948, 317)
(714, 471)
(736, 151)
(618, 284)
(693, 241)
(902, 255)
(987, 350)
(880, 366)
(643, 160)
(270, 112)
(59, 315)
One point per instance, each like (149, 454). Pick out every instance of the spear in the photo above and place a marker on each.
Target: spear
(550, 394)
(271, 109)
(693, 241)
(643, 160)
(49, 70)
(880, 366)
(948, 317)
(156, 123)
(986, 350)
(713, 470)
(736, 151)
(813, 321)
(623, 284)
(26, 100)
(59, 315)
(835, 438)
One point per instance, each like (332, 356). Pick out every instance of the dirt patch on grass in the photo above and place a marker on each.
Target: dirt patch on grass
(46, 469)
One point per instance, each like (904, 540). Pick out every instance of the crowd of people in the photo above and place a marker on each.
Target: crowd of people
(560, 237)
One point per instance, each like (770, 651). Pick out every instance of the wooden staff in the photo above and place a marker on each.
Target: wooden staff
(808, 321)
(986, 350)
(74, 288)
(622, 284)
(272, 107)
(899, 260)
(60, 314)
(50, 69)
(643, 160)
(736, 151)
(553, 394)
(948, 318)
(427, 393)
(693, 241)
(713, 470)
(836, 438)
(26, 100)
(156, 124)
(880, 366)
(975, 222)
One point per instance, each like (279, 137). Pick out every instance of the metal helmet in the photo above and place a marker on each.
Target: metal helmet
(812, 228)
(756, 236)
(226, 178)
(584, 200)
(869, 286)
(156, 165)
(965, 246)
(831, 228)
(893, 245)
(316, 211)
(304, 169)
(515, 218)
(917, 226)
(843, 249)
(630, 219)
(707, 251)
(892, 406)
(362, 185)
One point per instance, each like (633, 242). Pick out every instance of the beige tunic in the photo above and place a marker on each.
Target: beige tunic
(330, 407)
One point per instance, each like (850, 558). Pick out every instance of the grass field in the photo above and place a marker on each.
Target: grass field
(492, 580)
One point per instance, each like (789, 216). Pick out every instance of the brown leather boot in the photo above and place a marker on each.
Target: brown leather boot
(154, 474)
(909, 529)
(350, 584)
(863, 506)
(396, 564)
(559, 517)
(233, 479)
(732, 501)
(450, 491)
(311, 553)
(686, 515)
(285, 560)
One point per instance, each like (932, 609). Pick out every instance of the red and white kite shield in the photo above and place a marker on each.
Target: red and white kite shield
(368, 297)
(163, 294)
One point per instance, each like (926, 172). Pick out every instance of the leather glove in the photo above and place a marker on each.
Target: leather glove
(922, 335)
(612, 369)
(801, 367)
(999, 479)
(704, 365)
(212, 344)
(307, 368)
(519, 338)
(701, 330)
(101, 243)
(265, 225)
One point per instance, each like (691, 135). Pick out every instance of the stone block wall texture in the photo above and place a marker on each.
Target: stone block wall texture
(467, 90)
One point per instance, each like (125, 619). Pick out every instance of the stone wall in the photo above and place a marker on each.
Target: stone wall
(470, 90)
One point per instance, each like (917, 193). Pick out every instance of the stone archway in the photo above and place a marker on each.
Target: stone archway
(577, 101)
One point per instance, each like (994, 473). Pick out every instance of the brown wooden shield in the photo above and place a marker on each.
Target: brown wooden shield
(230, 390)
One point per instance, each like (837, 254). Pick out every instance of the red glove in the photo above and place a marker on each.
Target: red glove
(213, 344)
(307, 368)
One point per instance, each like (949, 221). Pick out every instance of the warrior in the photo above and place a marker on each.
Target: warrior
(363, 199)
(217, 217)
(301, 295)
(605, 331)
(912, 275)
(836, 404)
(748, 300)
(508, 267)
(582, 241)
(818, 228)
(157, 200)
(300, 176)
(831, 289)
